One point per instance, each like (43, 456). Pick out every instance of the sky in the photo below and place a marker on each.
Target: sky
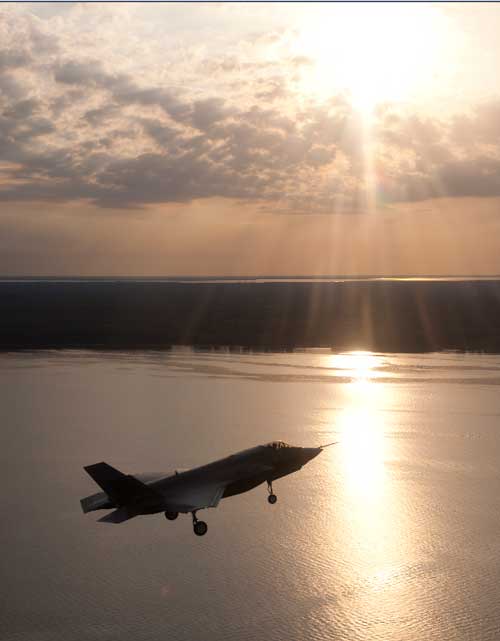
(249, 139)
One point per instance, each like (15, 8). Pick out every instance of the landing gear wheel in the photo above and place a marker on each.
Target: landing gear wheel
(171, 516)
(272, 498)
(200, 528)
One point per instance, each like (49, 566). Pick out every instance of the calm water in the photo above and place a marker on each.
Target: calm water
(394, 534)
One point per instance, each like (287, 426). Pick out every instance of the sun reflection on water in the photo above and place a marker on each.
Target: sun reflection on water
(360, 428)
(361, 366)
(362, 446)
(366, 496)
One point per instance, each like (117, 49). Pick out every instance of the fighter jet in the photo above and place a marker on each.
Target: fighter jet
(195, 489)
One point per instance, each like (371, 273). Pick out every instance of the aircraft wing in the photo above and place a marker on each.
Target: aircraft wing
(187, 497)
(194, 491)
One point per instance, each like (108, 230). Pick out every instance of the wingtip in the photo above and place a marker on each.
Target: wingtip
(89, 467)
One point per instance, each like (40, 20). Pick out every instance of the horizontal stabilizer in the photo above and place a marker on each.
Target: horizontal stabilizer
(118, 516)
(121, 488)
(97, 501)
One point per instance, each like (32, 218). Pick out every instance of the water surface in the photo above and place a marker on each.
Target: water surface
(394, 534)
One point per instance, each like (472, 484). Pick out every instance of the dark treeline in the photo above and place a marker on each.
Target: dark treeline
(387, 316)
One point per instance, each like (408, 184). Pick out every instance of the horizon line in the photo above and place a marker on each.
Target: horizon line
(188, 277)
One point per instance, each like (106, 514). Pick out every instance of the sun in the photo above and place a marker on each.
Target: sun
(371, 52)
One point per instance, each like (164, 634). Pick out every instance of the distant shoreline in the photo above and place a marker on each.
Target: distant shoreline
(244, 279)
(377, 315)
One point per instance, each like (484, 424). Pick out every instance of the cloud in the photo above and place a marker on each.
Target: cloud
(80, 120)
(83, 73)
(434, 158)
(13, 59)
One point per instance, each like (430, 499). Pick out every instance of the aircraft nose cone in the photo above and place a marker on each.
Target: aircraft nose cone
(310, 452)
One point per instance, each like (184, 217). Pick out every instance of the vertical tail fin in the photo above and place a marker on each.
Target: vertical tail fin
(122, 489)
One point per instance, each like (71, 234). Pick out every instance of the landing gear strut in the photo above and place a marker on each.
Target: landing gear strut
(272, 498)
(199, 527)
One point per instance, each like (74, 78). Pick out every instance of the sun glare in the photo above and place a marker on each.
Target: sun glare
(372, 52)
(361, 366)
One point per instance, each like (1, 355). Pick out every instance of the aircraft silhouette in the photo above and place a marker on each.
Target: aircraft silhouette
(195, 489)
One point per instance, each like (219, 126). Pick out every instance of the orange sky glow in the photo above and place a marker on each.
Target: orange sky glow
(219, 139)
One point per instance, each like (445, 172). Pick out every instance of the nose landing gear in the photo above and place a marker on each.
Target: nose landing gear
(272, 498)
(199, 527)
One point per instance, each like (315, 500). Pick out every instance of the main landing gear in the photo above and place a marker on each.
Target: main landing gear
(272, 498)
(199, 527)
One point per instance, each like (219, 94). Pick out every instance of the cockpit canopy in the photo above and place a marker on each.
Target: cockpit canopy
(277, 445)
